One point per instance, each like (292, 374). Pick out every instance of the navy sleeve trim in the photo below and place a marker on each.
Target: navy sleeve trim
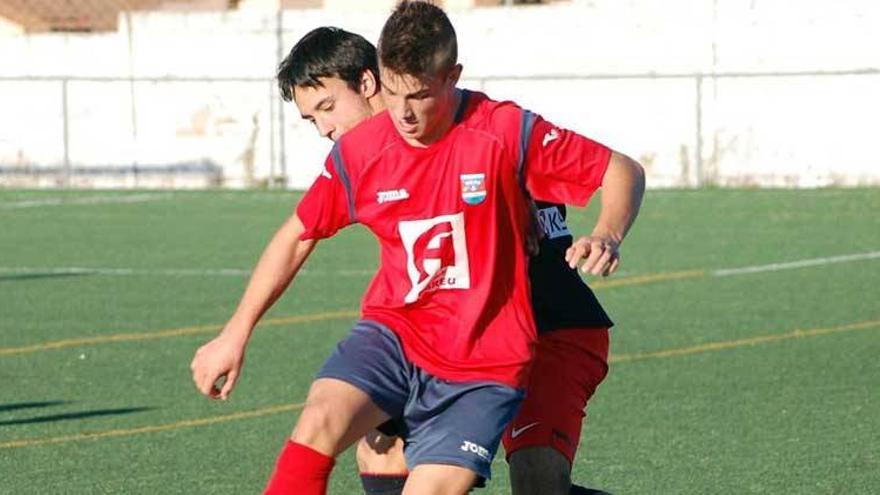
(527, 122)
(462, 106)
(536, 233)
(339, 165)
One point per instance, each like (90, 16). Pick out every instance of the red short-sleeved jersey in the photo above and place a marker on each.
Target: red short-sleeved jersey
(451, 221)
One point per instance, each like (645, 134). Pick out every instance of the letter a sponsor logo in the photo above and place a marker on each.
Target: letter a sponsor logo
(436, 254)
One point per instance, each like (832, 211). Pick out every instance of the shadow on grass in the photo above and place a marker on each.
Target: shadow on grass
(18, 277)
(74, 415)
(30, 405)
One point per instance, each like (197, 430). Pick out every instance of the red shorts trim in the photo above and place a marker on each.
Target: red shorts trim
(569, 365)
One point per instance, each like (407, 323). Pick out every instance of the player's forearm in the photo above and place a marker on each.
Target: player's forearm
(278, 265)
(622, 189)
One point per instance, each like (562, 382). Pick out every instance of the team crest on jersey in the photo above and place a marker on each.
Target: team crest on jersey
(473, 188)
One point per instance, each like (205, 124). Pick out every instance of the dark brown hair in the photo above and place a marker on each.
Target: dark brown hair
(418, 40)
(326, 52)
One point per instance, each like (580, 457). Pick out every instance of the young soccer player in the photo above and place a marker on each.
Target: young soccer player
(334, 77)
(447, 331)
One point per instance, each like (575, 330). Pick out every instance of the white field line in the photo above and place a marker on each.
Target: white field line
(237, 272)
(87, 200)
(774, 267)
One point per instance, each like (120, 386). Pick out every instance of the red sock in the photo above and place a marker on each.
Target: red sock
(300, 470)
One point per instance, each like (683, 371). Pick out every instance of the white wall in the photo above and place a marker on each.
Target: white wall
(8, 28)
(724, 92)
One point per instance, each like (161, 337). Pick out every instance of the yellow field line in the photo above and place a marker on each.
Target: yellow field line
(189, 423)
(172, 332)
(647, 279)
(729, 344)
(200, 329)
(712, 346)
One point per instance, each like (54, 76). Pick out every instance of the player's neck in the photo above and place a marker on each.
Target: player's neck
(377, 106)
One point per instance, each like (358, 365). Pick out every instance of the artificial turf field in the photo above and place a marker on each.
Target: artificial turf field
(764, 380)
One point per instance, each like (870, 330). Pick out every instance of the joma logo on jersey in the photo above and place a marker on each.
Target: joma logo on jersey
(473, 188)
(473, 448)
(436, 254)
(552, 223)
(392, 195)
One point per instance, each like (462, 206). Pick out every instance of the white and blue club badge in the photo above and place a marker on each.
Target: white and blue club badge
(473, 188)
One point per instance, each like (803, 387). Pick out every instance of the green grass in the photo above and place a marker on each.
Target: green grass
(797, 415)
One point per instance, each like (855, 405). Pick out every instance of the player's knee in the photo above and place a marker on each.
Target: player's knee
(539, 470)
(327, 413)
(325, 416)
(315, 424)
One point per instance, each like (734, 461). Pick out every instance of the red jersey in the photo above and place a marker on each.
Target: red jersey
(451, 220)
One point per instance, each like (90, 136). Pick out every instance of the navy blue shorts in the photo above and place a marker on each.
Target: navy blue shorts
(441, 422)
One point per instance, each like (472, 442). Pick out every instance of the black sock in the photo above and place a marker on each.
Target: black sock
(383, 484)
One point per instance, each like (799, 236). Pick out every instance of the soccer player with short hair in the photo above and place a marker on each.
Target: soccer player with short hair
(336, 79)
(447, 332)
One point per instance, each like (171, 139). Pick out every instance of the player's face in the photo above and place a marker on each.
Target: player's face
(334, 108)
(421, 109)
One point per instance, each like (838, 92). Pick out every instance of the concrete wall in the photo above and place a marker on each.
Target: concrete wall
(725, 92)
(8, 28)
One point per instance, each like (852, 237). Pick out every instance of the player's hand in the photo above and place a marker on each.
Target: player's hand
(601, 253)
(217, 364)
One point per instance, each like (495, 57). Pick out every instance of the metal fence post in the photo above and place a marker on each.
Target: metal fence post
(282, 150)
(64, 121)
(271, 181)
(131, 83)
(698, 172)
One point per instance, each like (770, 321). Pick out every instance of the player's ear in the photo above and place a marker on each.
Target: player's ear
(454, 74)
(369, 84)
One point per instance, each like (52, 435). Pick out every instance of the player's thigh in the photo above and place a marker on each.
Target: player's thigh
(362, 384)
(539, 471)
(335, 415)
(569, 365)
(381, 454)
(372, 359)
(439, 479)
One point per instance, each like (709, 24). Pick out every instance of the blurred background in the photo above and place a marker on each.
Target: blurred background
(181, 94)
(744, 356)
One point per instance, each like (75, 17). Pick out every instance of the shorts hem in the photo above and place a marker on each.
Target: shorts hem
(451, 461)
(540, 444)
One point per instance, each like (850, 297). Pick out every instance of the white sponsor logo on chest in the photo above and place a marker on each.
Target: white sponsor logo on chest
(392, 195)
(436, 254)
